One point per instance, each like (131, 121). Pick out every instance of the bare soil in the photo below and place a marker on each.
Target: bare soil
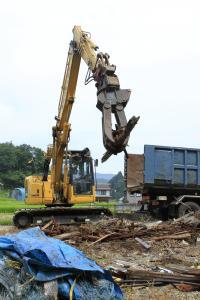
(128, 253)
(162, 253)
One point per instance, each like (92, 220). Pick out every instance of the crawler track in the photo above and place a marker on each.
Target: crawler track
(62, 215)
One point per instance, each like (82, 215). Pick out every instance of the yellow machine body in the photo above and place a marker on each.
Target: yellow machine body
(77, 183)
(68, 176)
(59, 189)
(39, 192)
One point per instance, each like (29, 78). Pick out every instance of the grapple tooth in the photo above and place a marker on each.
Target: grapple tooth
(115, 141)
(106, 156)
(119, 139)
(112, 99)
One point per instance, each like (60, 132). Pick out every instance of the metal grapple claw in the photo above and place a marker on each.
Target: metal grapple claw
(114, 102)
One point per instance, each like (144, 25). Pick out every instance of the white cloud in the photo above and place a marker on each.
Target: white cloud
(155, 45)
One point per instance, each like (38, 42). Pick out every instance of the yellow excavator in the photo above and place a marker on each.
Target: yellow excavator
(71, 179)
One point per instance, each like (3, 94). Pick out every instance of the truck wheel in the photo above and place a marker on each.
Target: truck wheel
(187, 207)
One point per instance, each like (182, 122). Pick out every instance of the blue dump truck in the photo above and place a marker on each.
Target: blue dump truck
(168, 178)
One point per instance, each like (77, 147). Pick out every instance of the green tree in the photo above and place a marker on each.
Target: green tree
(8, 160)
(117, 186)
(17, 162)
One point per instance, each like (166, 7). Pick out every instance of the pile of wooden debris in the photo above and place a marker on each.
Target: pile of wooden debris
(139, 254)
(110, 229)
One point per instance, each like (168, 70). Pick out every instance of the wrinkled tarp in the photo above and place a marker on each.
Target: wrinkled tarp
(47, 259)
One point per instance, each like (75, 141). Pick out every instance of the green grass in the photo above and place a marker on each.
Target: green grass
(109, 205)
(9, 205)
(104, 204)
(4, 193)
(6, 219)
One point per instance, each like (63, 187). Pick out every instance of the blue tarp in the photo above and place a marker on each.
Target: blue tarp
(48, 259)
(18, 193)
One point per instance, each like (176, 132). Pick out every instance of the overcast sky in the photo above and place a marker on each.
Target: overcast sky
(155, 45)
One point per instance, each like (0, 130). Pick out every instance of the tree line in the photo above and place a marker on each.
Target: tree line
(17, 162)
(117, 186)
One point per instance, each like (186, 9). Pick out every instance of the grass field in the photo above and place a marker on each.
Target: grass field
(8, 206)
(6, 219)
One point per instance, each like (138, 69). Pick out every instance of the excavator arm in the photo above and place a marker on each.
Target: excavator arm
(110, 98)
(61, 189)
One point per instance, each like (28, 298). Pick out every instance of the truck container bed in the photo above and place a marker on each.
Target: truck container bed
(163, 167)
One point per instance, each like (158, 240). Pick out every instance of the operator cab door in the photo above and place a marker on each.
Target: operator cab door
(81, 175)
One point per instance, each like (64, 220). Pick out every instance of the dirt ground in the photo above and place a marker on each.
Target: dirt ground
(162, 253)
(128, 253)
(4, 229)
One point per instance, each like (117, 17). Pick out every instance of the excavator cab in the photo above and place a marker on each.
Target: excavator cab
(81, 177)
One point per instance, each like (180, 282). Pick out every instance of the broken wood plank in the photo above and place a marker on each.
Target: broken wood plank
(152, 276)
(65, 236)
(191, 218)
(171, 237)
(143, 243)
(184, 217)
(71, 242)
(102, 239)
(185, 287)
(91, 238)
(183, 269)
(47, 225)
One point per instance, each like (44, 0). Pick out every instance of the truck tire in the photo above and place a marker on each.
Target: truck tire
(187, 207)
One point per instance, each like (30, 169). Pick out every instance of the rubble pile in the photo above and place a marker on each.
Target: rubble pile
(156, 258)
(142, 254)
(110, 229)
(30, 261)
